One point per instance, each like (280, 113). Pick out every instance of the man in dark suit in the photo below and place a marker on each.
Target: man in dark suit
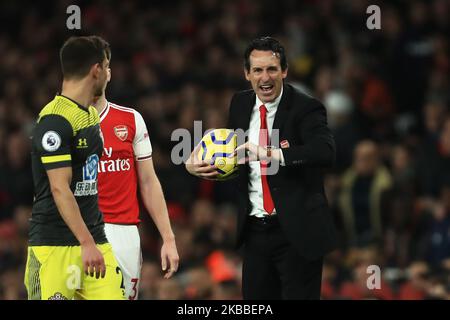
(284, 221)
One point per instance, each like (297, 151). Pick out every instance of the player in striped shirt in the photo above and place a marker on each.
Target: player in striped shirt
(67, 244)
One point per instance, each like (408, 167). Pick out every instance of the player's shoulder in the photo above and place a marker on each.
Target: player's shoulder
(62, 109)
(120, 108)
(116, 110)
(60, 106)
(77, 116)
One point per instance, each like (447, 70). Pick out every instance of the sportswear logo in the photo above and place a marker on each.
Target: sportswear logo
(57, 296)
(121, 132)
(82, 143)
(51, 141)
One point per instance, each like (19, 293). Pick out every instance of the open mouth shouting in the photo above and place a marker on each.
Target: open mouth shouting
(266, 89)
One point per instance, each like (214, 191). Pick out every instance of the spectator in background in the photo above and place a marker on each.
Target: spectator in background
(402, 168)
(202, 218)
(434, 116)
(416, 286)
(15, 186)
(11, 287)
(399, 207)
(362, 189)
(329, 275)
(198, 283)
(170, 289)
(437, 235)
(226, 290)
(356, 288)
(150, 275)
(433, 166)
(343, 125)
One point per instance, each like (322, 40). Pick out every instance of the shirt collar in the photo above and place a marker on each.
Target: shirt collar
(103, 109)
(270, 105)
(74, 102)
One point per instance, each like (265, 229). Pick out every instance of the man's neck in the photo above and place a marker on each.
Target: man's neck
(100, 104)
(274, 102)
(78, 92)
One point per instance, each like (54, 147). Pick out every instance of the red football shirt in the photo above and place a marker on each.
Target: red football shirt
(126, 141)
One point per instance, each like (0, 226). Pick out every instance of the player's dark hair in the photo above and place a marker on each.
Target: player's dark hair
(265, 44)
(79, 54)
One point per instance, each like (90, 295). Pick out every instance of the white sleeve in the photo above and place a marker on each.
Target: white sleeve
(142, 146)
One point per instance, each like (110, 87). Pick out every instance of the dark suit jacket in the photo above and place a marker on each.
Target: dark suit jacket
(297, 189)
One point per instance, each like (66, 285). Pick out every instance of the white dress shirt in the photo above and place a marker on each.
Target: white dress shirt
(254, 184)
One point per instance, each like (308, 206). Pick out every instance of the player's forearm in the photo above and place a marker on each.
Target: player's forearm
(153, 199)
(70, 212)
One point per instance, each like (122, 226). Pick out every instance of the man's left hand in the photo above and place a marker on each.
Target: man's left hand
(169, 258)
(250, 152)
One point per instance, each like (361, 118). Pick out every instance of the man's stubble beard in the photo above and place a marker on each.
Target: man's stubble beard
(98, 92)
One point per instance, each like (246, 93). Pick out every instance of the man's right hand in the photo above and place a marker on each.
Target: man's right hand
(200, 168)
(93, 261)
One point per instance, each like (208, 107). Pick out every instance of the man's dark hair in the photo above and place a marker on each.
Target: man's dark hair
(79, 54)
(265, 44)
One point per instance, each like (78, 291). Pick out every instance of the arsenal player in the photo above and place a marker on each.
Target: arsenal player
(125, 163)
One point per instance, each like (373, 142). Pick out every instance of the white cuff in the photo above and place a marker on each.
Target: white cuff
(282, 158)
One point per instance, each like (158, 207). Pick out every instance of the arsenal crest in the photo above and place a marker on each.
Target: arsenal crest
(121, 132)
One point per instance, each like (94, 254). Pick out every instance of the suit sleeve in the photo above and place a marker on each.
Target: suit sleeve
(52, 142)
(318, 147)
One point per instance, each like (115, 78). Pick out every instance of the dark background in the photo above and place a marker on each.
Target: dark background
(387, 97)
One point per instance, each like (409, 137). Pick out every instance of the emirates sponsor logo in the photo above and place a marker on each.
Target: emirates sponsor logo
(121, 132)
(114, 165)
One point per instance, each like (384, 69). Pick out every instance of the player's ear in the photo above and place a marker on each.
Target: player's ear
(108, 74)
(95, 70)
(247, 74)
(284, 73)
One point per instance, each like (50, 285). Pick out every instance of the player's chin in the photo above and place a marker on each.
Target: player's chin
(98, 92)
(267, 97)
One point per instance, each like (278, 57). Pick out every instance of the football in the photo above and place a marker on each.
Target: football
(216, 147)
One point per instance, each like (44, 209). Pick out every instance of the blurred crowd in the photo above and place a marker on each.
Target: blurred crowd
(387, 97)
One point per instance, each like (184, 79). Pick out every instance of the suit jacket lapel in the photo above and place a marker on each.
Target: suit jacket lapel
(247, 107)
(282, 110)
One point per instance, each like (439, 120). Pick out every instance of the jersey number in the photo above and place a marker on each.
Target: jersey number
(135, 282)
(121, 283)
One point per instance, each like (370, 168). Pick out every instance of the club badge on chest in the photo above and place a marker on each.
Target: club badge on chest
(121, 132)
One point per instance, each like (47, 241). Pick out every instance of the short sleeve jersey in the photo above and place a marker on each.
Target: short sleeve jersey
(66, 135)
(126, 142)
